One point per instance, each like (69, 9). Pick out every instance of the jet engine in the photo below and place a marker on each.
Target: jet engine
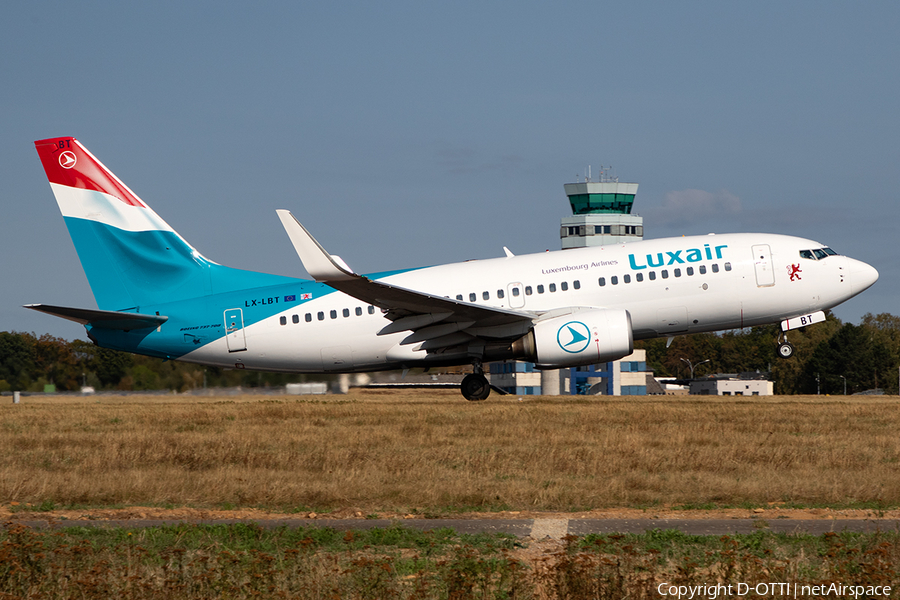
(585, 337)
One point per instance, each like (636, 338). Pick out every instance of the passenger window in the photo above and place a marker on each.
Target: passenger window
(614, 280)
(346, 312)
(602, 281)
(652, 275)
(702, 269)
(371, 310)
(459, 296)
(309, 317)
(690, 271)
(576, 284)
(677, 272)
(541, 289)
(334, 314)
(552, 287)
(486, 295)
(500, 294)
(639, 277)
(665, 274)
(564, 286)
(728, 266)
(515, 292)
(715, 268)
(320, 315)
(283, 320)
(295, 318)
(626, 278)
(527, 290)
(472, 297)
(358, 311)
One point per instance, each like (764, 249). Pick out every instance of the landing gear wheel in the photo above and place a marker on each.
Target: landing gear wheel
(475, 386)
(785, 350)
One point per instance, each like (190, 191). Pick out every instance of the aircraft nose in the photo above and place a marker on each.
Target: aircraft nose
(862, 276)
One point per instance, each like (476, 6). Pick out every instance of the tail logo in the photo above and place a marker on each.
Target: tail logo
(67, 159)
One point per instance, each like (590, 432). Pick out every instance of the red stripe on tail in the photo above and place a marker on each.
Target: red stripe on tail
(67, 162)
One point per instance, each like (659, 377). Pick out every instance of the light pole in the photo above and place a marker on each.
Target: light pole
(845, 383)
(692, 366)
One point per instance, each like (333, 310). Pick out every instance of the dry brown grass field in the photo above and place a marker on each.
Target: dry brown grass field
(432, 451)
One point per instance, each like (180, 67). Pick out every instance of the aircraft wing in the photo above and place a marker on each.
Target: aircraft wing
(409, 309)
(101, 319)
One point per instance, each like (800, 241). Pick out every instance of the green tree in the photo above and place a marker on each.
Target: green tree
(852, 353)
(144, 378)
(17, 359)
(55, 360)
(885, 329)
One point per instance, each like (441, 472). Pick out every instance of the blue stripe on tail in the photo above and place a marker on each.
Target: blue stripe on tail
(127, 270)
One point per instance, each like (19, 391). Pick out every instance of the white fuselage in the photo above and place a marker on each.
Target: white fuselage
(669, 286)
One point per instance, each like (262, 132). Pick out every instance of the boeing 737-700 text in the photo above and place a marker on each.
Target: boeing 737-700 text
(159, 296)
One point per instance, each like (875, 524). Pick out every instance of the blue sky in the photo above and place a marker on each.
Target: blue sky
(405, 134)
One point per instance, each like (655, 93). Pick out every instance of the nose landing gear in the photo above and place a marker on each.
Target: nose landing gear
(785, 349)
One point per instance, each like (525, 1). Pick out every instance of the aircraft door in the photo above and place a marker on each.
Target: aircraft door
(234, 330)
(516, 293)
(762, 264)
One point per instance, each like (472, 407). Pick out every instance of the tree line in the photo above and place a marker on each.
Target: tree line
(827, 355)
(30, 363)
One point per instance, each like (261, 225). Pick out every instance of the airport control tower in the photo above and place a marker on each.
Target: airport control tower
(601, 213)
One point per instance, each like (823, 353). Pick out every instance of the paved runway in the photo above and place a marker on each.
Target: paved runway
(534, 528)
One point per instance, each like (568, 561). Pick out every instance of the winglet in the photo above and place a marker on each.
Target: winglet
(320, 265)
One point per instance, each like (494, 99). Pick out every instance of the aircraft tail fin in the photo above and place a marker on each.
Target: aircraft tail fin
(131, 257)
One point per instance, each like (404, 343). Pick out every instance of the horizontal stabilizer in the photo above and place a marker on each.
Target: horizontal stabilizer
(101, 319)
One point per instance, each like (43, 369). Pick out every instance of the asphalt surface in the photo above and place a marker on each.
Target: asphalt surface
(534, 528)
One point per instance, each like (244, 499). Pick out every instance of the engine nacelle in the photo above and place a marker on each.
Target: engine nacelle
(585, 337)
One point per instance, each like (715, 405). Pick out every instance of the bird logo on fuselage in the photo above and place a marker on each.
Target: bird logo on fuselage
(573, 337)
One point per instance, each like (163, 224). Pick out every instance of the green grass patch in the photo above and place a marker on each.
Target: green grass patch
(247, 561)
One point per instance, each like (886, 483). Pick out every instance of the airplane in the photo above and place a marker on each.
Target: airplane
(158, 296)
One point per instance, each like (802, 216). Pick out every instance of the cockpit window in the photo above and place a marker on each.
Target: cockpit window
(818, 253)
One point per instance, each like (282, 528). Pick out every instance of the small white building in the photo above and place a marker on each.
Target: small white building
(732, 386)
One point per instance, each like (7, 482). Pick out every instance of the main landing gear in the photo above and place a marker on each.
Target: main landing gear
(785, 349)
(475, 385)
